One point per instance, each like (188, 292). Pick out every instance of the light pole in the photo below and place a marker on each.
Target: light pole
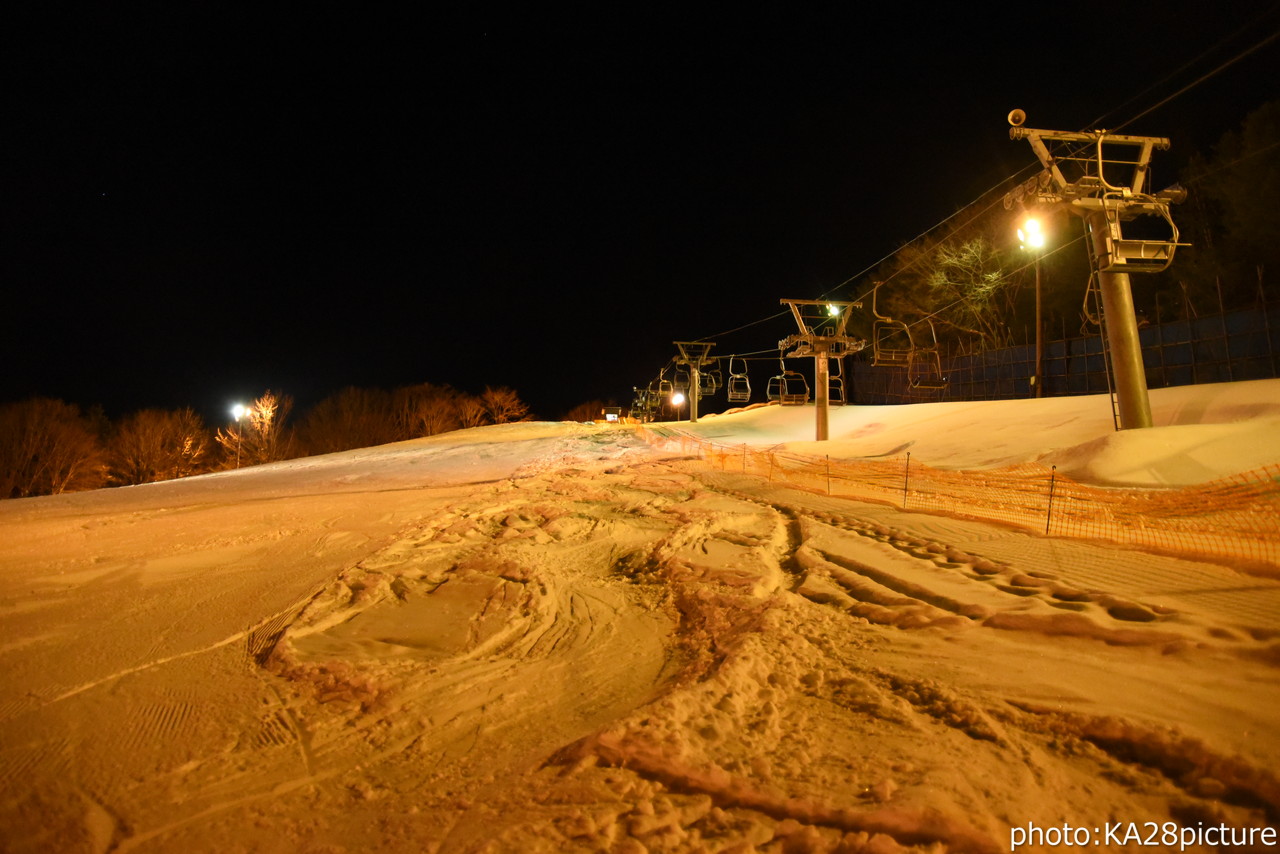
(238, 411)
(1032, 237)
(677, 401)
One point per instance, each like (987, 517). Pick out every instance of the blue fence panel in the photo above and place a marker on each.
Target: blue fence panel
(1240, 345)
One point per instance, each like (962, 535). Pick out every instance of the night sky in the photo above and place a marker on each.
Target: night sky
(199, 206)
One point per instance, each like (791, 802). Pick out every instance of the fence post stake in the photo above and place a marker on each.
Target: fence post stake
(906, 481)
(1053, 472)
(744, 457)
(771, 466)
(828, 474)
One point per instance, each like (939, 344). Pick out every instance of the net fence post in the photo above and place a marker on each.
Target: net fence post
(906, 481)
(1048, 516)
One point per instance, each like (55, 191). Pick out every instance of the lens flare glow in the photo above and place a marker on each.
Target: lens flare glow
(1031, 235)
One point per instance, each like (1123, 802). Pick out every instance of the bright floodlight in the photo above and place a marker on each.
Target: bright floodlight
(677, 399)
(238, 411)
(833, 310)
(1031, 235)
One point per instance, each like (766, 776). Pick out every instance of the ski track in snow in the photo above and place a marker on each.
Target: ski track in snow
(609, 648)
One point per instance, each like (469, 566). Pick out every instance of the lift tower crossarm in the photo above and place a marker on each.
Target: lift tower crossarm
(694, 354)
(821, 343)
(1145, 145)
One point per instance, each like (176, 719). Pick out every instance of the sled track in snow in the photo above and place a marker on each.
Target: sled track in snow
(995, 578)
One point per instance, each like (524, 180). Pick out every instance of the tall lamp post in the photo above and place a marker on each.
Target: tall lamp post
(1032, 236)
(677, 400)
(238, 411)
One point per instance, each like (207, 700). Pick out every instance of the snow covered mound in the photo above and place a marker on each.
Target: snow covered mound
(1200, 433)
(552, 637)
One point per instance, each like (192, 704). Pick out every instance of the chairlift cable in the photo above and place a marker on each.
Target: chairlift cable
(1017, 176)
(1222, 67)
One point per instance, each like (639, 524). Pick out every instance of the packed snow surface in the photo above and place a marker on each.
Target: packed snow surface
(553, 637)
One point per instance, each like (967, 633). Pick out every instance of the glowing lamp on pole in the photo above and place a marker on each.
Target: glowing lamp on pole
(1031, 235)
(238, 412)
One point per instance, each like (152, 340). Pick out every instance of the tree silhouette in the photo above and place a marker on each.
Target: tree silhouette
(48, 447)
(259, 437)
(154, 445)
(589, 411)
(425, 410)
(352, 418)
(503, 405)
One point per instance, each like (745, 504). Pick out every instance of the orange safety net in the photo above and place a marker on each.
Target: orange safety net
(1236, 517)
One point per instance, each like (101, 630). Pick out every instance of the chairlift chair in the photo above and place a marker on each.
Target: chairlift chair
(1128, 254)
(795, 389)
(660, 391)
(661, 387)
(710, 380)
(789, 388)
(641, 405)
(739, 390)
(888, 337)
(681, 380)
(925, 367)
(835, 384)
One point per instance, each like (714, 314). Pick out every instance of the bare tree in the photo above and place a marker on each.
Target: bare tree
(589, 411)
(503, 405)
(352, 418)
(260, 436)
(154, 445)
(48, 447)
(425, 410)
(472, 412)
(963, 284)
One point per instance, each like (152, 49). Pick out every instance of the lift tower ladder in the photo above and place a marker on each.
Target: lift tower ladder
(823, 333)
(1081, 172)
(1093, 313)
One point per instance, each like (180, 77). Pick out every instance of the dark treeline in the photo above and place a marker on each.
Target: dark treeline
(48, 446)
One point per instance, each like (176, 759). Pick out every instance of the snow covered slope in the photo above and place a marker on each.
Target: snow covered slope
(551, 637)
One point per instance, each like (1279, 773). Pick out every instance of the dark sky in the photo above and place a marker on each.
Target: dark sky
(199, 206)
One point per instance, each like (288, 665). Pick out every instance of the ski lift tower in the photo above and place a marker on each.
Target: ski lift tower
(1082, 172)
(822, 335)
(694, 355)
